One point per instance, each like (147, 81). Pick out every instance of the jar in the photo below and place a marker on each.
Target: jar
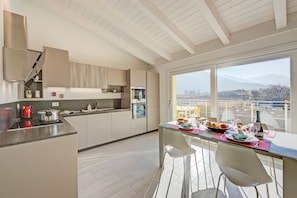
(28, 93)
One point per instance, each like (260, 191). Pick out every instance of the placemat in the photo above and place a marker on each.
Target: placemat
(263, 144)
(174, 126)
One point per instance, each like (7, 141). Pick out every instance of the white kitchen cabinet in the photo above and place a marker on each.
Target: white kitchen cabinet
(56, 70)
(98, 128)
(153, 98)
(79, 123)
(139, 126)
(45, 168)
(138, 78)
(121, 125)
(117, 77)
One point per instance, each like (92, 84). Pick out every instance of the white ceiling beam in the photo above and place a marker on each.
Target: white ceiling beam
(91, 26)
(211, 15)
(122, 24)
(280, 13)
(162, 21)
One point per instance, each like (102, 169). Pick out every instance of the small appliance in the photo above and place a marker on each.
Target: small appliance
(26, 112)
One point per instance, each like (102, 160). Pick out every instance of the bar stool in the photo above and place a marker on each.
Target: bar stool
(176, 146)
(241, 166)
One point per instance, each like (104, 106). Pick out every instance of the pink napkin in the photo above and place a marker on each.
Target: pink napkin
(194, 131)
(263, 144)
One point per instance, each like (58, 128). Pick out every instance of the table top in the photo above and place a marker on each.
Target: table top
(282, 144)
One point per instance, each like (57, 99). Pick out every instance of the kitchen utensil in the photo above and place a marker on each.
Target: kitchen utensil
(27, 111)
(48, 115)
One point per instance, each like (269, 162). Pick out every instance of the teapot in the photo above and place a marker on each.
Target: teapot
(27, 111)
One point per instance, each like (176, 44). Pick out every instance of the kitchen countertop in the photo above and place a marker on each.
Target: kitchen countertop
(26, 135)
(78, 113)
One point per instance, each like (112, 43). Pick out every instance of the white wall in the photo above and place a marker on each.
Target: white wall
(46, 28)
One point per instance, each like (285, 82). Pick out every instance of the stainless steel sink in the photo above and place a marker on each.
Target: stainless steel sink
(96, 110)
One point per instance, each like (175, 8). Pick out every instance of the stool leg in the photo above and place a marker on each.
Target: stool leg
(257, 193)
(218, 185)
(197, 172)
(204, 165)
(209, 164)
(170, 178)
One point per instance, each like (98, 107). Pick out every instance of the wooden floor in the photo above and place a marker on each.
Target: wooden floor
(130, 169)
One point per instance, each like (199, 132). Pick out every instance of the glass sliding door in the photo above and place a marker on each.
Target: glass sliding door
(191, 94)
(264, 86)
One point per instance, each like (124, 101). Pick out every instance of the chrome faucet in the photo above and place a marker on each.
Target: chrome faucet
(96, 104)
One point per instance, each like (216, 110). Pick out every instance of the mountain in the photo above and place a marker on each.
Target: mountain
(227, 82)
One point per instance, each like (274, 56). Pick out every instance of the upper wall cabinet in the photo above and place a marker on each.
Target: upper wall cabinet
(87, 76)
(55, 71)
(138, 78)
(116, 77)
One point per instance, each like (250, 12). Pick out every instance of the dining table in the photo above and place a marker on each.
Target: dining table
(276, 144)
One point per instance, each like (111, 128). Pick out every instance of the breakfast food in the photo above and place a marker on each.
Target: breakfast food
(217, 125)
(182, 120)
(223, 126)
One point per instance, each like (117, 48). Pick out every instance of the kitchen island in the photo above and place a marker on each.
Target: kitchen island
(39, 162)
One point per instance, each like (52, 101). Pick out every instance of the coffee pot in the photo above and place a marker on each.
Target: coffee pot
(27, 111)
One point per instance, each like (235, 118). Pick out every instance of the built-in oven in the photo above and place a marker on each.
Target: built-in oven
(138, 110)
(138, 94)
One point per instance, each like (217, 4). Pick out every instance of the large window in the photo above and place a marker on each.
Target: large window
(241, 90)
(192, 94)
(264, 86)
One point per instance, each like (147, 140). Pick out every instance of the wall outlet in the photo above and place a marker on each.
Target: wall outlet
(55, 104)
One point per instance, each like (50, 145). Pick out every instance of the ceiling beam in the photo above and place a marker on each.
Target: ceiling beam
(280, 13)
(211, 15)
(124, 26)
(90, 25)
(162, 21)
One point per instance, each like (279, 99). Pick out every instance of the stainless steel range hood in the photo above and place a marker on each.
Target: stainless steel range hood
(19, 63)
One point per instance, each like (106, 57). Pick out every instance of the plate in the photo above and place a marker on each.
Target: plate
(186, 128)
(216, 129)
(250, 138)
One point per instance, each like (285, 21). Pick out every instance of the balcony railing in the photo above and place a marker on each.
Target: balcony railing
(275, 114)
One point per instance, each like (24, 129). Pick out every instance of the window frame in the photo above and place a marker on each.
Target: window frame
(231, 62)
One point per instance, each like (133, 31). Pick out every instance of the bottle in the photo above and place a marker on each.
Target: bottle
(89, 107)
(258, 125)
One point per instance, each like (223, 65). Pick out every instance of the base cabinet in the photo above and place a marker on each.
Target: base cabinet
(80, 125)
(139, 126)
(121, 125)
(98, 129)
(45, 168)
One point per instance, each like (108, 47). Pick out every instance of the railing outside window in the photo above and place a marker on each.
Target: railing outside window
(275, 114)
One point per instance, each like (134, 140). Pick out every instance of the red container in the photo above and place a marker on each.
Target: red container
(26, 112)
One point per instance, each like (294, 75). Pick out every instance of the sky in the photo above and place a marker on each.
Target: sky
(279, 66)
(200, 80)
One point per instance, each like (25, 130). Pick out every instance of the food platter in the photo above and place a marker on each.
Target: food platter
(216, 129)
(248, 139)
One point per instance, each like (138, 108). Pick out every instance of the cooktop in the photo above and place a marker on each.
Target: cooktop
(27, 123)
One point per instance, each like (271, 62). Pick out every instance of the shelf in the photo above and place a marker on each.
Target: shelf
(38, 81)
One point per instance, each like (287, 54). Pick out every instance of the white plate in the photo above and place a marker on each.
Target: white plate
(186, 128)
(250, 138)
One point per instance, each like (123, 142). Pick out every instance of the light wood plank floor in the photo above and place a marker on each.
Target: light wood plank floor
(130, 169)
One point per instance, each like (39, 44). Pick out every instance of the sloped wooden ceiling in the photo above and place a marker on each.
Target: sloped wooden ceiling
(155, 30)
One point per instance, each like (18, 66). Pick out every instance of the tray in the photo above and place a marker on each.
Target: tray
(217, 129)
